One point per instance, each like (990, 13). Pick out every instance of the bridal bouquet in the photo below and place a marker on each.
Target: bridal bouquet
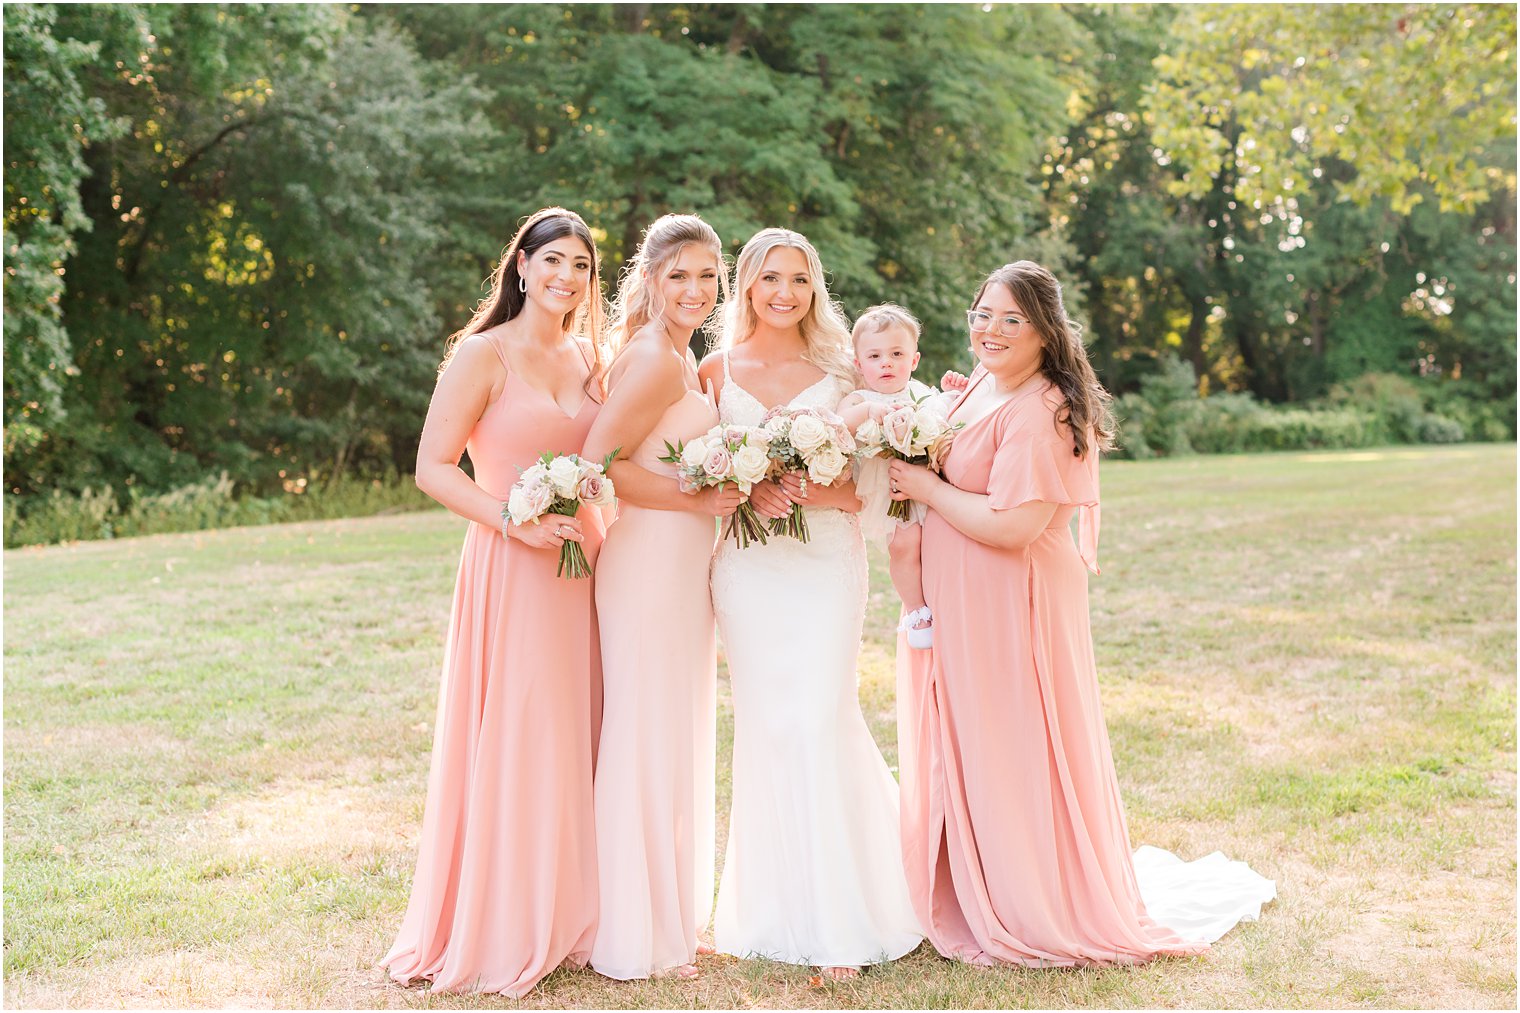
(915, 433)
(734, 454)
(560, 484)
(811, 441)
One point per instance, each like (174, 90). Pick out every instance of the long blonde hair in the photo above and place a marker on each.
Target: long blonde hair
(1063, 358)
(505, 300)
(638, 299)
(825, 329)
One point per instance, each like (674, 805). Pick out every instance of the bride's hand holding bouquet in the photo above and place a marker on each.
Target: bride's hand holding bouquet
(807, 446)
(732, 457)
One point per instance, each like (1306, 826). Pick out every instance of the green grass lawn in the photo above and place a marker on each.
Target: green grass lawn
(216, 746)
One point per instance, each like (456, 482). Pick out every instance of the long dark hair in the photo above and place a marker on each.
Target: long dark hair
(506, 298)
(1064, 358)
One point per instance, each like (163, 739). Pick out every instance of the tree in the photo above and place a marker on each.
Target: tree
(49, 121)
(1413, 96)
(255, 291)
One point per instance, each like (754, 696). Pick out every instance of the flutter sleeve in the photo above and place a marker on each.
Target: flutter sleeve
(1035, 464)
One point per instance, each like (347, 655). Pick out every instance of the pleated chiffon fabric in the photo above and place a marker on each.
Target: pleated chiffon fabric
(1014, 836)
(505, 888)
(655, 777)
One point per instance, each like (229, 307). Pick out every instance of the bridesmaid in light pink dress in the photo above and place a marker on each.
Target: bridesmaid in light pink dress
(1014, 838)
(505, 889)
(655, 777)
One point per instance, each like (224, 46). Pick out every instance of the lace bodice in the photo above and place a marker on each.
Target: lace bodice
(738, 406)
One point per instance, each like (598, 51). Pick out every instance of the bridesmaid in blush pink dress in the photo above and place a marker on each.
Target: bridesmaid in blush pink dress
(655, 769)
(1014, 838)
(505, 888)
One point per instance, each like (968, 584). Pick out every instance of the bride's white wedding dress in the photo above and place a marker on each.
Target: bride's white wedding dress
(813, 873)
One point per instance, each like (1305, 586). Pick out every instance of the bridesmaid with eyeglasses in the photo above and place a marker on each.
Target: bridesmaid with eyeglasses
(1013, 832)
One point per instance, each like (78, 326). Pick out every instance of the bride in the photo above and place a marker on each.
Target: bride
(813, 873)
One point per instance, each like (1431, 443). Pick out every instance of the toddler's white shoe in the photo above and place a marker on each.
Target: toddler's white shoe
(920, 637)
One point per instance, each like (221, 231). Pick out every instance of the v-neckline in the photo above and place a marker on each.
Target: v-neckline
(1011, 399)
(554, 401)
(729, 378)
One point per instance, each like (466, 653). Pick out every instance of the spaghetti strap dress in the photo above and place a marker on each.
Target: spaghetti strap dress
(505, 888)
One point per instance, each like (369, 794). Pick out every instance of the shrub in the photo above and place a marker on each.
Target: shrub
(1156, 419)
(60, 517)
(1227, 424)
(210, 503)
(1440, 429)
(1305, 429)
(1393, 400)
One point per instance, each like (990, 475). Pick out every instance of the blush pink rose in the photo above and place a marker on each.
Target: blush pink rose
(717, 462)
(897, 430)
(595, 490)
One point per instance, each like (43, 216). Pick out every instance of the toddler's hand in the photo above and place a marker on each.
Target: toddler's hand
(953, 381)
(878, 411)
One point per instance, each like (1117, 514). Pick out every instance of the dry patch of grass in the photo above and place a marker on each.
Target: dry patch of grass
(216, 748)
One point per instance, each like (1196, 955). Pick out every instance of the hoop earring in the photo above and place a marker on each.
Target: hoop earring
(522, 284)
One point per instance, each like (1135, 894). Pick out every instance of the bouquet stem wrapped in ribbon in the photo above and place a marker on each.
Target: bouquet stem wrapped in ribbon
(724, 453)
(561, 484)
(810, 441)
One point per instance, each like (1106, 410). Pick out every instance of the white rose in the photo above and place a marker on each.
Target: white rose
(565, 476)
(808, 433)
(693, 453)
(777, 426)
(518, 506)
(930, 427)
(750, 465)
(868, 438)
(827, 465)
(540, 496)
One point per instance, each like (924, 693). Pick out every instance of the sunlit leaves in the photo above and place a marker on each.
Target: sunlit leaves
(1414, 96)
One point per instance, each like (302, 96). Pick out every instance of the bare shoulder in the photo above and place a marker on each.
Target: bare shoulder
(475, 355)
(648, 356)
(711, 367)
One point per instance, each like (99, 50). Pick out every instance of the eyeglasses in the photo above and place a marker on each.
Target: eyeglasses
(1007, 326)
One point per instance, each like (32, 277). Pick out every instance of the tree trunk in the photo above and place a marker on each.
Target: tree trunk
(1192, 341)
(738, 36)
(633, 18)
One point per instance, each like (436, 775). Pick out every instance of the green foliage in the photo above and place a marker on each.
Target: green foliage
(255, 291)
(236, 236)
(49, 120)
(205, 505)
(1283, 296)
(1167, 417)
(868, 128)
(1413, 96)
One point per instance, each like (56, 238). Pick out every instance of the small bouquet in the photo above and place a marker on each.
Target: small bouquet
(560, 484)
(915, 433)
(811, 441)
(734, 454)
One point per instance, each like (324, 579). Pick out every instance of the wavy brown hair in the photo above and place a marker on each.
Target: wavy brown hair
(506, 299)
(1063, 359)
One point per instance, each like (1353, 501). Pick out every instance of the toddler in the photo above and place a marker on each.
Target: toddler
(886, 353)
